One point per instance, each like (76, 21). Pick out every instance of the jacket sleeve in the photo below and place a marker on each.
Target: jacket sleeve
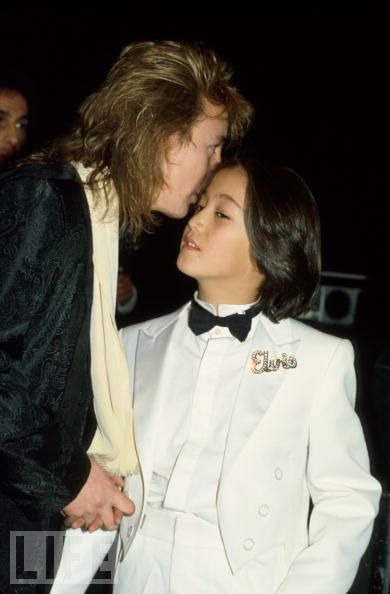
(345, 496)
(42, 308)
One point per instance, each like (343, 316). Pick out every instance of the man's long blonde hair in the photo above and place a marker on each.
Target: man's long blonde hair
(154, 90)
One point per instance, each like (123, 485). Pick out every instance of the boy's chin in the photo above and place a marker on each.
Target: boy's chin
(185, 269)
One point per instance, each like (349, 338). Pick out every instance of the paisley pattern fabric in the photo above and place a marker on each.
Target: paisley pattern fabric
(46, 411)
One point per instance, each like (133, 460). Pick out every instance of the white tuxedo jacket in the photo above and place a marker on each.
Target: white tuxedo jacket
(293, 436)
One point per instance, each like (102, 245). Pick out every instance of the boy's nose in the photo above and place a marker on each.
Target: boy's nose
(196, 220)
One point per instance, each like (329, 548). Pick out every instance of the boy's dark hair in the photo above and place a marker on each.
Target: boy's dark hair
(283, 227)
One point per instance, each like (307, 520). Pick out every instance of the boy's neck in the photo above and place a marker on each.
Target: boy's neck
(218, 297)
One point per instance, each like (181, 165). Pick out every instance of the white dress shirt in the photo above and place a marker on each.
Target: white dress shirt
(196, 416)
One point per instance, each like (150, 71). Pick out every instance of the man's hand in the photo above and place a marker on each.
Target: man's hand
(100, 503)
(125, 289)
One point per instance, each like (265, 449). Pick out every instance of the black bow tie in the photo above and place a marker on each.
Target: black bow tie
(201, 320)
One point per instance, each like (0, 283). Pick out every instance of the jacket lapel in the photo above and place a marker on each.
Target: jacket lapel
(154, 347)
(260, 388)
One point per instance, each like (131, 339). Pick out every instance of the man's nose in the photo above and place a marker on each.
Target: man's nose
(11, 135)
(216, 158)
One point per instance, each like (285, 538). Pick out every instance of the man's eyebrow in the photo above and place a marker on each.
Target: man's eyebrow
(4, 112)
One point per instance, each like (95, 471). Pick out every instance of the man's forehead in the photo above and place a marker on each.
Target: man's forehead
(213, 111)
(12, 101)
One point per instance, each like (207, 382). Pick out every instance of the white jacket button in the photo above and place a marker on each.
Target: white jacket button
(248, 544)
(278, 473)
(263, 510)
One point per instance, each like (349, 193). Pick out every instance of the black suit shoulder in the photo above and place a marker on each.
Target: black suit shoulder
(40, 171)
(53, 193)
(46, 408)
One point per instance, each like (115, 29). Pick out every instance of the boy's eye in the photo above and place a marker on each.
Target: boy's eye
(221, 215)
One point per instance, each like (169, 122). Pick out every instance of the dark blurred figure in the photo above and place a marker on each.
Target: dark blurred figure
(380, 400)
(126, 292)
(14, 121)
(165, 288)
(126, 297)
(381, 409)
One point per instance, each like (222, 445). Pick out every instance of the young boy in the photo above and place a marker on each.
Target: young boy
(244, 415)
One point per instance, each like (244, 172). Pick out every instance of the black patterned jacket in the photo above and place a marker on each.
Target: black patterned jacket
(46, 411)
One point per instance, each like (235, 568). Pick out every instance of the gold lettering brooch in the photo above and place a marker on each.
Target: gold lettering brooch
(262, 363)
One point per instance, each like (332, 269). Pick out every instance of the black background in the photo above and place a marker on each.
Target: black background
(317, 78)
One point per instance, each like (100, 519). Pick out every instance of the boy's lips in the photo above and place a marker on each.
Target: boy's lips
(190, 244)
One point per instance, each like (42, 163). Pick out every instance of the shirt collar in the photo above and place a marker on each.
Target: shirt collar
(222, 310)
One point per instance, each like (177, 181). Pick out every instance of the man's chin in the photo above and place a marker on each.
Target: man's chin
(179, 215)
(170, 214)
(175, 213)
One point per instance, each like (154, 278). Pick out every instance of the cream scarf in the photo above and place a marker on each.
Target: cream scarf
(113, 444)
